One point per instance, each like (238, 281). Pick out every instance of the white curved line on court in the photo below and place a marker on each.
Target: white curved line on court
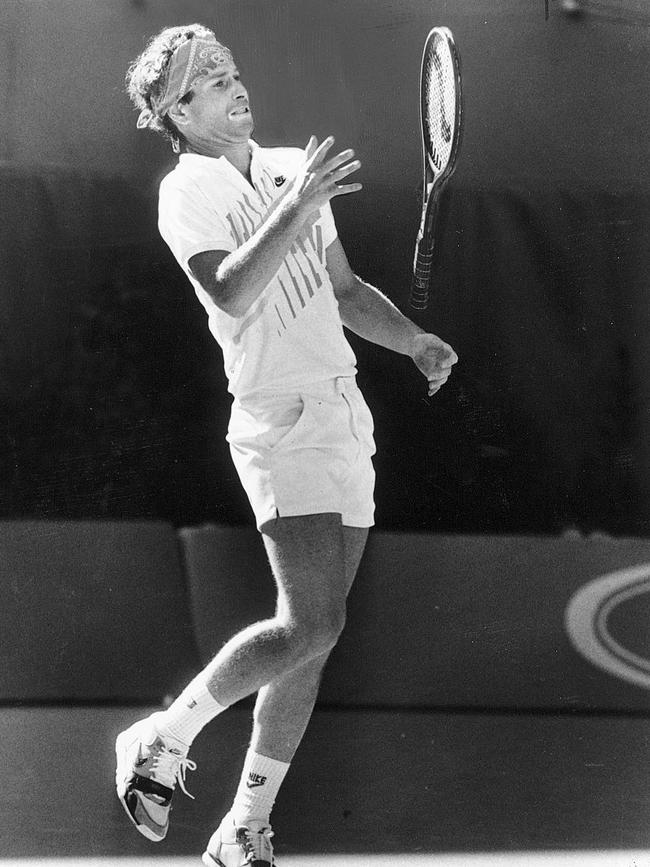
(634, 659)
(586, 618)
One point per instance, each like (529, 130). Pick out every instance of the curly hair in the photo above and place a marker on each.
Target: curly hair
(146, 76)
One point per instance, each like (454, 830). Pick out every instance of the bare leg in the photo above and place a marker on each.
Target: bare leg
(284, 706)
(308, 559)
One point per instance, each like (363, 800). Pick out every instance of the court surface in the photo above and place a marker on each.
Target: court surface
(561, 859)
(380, 787)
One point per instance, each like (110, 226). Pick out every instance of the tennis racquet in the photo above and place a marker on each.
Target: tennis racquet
(441, 117)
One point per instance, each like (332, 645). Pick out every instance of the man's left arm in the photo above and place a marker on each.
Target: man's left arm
(368, 313)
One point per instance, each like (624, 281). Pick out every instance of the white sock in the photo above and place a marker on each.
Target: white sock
(258, 788)
(192, 710)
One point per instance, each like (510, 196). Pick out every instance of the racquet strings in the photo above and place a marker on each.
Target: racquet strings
(439, 104)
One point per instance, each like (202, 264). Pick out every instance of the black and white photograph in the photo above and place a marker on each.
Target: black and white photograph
(325, 388)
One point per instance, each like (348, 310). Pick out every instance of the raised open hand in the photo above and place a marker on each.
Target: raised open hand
(318, 178)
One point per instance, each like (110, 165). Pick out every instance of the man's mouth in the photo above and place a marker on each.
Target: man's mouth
(243, 109)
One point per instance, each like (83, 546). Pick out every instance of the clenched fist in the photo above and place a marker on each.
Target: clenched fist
(434, 358)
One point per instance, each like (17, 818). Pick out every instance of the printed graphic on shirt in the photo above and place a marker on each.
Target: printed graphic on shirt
(299, 276)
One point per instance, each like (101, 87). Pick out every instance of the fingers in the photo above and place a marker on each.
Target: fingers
(436, 384)
(346, 188)
(316, 157)
(339, 167)
(312, 147)
(335, 162)
(451, 357)
(318, 151)
(439, 377)
(331, 171)
(437, 380)
(341, 171)
(446, 357)
(438, 373)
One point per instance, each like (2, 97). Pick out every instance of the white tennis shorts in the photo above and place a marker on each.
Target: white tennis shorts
(306, 451)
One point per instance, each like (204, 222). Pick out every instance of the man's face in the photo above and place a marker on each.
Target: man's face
(218, 111)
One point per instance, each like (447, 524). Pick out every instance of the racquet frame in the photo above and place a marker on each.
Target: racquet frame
(434, 179)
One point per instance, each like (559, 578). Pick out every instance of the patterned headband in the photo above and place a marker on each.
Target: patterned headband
(193, 60)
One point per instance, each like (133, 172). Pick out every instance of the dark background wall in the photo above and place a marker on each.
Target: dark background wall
(561, 99)
(112, 391)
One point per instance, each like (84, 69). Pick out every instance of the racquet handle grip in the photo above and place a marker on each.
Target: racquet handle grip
(421, 280)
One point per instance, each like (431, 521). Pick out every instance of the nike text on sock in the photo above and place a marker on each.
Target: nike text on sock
(258, 788)
(255, 780)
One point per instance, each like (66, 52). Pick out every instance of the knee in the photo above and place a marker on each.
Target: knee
(317, 633)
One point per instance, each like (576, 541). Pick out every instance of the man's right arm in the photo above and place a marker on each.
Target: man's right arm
(235, 280)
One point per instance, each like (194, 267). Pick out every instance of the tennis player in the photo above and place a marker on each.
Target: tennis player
(253, 230)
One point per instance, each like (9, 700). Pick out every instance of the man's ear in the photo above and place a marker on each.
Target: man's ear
(178, 113)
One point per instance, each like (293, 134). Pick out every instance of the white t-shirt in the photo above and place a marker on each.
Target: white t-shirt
(292, 334)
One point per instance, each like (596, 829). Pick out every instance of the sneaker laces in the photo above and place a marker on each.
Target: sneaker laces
(253, 844)
(170, 768)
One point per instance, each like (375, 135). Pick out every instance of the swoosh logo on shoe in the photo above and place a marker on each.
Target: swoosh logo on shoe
(155, 812)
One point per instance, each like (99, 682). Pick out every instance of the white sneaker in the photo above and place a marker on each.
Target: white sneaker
(240, 845)
(148, 768)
